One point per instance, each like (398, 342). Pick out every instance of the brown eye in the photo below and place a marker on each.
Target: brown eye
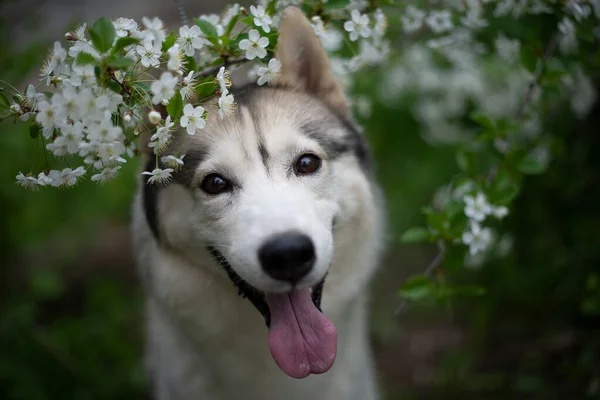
(215, 184)
(307, 164)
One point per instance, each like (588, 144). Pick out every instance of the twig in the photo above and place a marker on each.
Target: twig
(211, 70)
(539, 69)
(433, 266)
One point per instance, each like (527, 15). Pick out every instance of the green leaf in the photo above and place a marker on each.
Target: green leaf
(454, 208)
(120, 62)
(482, 120)
(143, 86)
(505, 194)
(175, 106)
(466, 161)
(467, 291)
(169, 42)
(103, 34)
(416, 288)
(231, 25)
(528, 59)
(124, 42)
(85, 58)
(504, 189)
(209, 30)
(34, 130)
(4, 100)
(531, 166)
(415, 235)
(336, 4)
(272, 7)
(190, 64)
(206, 88)
(437, 221)
(114, 86)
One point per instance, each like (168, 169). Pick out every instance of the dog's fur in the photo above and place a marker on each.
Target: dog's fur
(203, 340)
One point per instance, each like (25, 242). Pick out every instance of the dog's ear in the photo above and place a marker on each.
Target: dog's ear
(304, 62)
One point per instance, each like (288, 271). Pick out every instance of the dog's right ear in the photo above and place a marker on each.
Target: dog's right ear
(304, 62)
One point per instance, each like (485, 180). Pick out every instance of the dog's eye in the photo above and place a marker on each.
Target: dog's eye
(307, 164)
(215, 184)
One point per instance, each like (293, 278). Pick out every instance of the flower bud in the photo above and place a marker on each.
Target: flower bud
(71, 37)
(154, 117)
(164, 102)
(127, 117)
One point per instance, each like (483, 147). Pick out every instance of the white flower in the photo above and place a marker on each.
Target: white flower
(230, 13)
(155, 29)
(31, 100)
(477, 208)
(568, 39)
(189, 39)
(261, 18)
(154, 117)
(266, 75)
(162, 137)
(380, 23)
(73, 136)
(159, 176)
(500, 212)
(104, 132)
(124, 25)
(149, 53)
(46, 117)
(106, 175)
(172, 162)
(164, 88)
(440, 21)
(223, 79)
(254, 45)
(579, 9)
(331, 39)
(192, 118)
(59, 55)
(83, 75)
(358, 25)
(31, 97)
(412, 20)
(226, 105)
(66, 177)
(188, 85)
(44, 179)
(175, 58)
(27, 181)
(508, 49)
(215, 21)
(478, 239)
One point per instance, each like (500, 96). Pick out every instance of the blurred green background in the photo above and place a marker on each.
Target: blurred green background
(70, 315)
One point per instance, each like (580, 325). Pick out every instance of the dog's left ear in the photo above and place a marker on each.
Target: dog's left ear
(304, 62)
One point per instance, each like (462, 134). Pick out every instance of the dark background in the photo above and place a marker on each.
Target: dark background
(70, 302)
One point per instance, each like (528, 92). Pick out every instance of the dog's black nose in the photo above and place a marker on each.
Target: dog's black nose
(287, 257)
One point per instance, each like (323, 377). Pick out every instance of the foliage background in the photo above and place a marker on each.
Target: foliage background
(70, 304)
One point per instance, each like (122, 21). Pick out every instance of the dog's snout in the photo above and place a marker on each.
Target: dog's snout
(287, 257)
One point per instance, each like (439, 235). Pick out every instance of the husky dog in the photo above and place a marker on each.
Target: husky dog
(273, 217)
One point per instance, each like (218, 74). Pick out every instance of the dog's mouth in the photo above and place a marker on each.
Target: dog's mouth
(301, 339)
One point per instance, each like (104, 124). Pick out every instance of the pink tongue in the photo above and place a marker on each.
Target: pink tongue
(302, 340)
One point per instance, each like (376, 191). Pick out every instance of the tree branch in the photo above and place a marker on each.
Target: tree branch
(539, 69)
(211, 70)
(437, 261)
(433, 266)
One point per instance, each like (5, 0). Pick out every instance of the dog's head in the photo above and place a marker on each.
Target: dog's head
(260, 193)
